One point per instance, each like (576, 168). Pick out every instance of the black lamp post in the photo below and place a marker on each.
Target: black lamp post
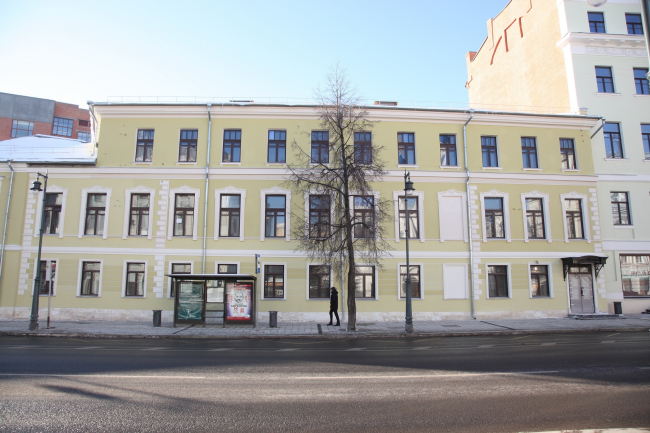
(33, 319)
(408, 189)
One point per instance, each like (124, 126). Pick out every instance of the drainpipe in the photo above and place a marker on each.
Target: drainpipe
(4, 232)
(469, 217)
(90, 106)
(207, 177)
(599, 128)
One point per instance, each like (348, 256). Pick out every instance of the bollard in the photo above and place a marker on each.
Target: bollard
(618, 308)
(273, 319)
(157, 317)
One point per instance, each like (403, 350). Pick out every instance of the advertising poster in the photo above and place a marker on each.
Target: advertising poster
(239, 301)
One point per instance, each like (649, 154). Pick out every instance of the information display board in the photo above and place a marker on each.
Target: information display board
(239, 302)
(190, 300)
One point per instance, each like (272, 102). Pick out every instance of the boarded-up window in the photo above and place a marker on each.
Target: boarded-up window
(454, 281)
(451, 218)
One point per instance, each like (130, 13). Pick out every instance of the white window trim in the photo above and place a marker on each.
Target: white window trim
(464, 266)
(127, 208)
(82, 212)
(399, 266)
(307, 279)
(217, 209)
(39, 209)
(135, 145)
(172, 211)
(36, 270)
(463, 197)
(284, 267)
(80, 276)
(221, 262)
(375, 195)
(144, 288)
(506, 213)
(175, 262)
(376, 277)
(487, 280)
(549, 278)
(306, 196)
(420, 196)
(547, 214)
(585, 216)
(287, 227)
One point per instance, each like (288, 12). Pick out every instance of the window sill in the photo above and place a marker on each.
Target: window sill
(134, 297)
(276, 164)
(570, 170)
(44, 295)
(186, 163)
(533, 169)
(541, 297)
(616, 159)
(369, 299)
(623, 226)
(318, 299)
(610, 94)
(493, 168)
(87, 296)
(276, 299)
(408, 166)
(499, 298)
(142, 163)
(230, 163)
(641, 96)
(412, 299)
(450, 167)
(646, 160)
(319, 164)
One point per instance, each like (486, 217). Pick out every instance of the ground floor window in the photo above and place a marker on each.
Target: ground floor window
(273, 281)
(498, 281)
(319, 282)
(539, 281)
(90, 278)
(635, 274)
(135, 273)
(46, 277)
(415, 281)
(365, 282)
(179, 268)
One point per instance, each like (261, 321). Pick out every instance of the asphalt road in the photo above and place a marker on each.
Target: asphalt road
(462, 384)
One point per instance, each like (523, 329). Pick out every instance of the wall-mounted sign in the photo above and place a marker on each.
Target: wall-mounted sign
(239, 302)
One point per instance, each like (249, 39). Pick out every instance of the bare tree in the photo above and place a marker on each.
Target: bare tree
(343, 222)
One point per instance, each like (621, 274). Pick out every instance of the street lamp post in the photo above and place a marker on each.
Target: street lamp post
(408, 189)
(33, 319)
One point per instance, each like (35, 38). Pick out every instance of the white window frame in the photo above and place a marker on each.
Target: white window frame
(308, 194)
(127, 208)
(550, 281)
(36, 266)
(276, 191)
(39, 209)
(176, 262)
(146, 274)
(221, 262)
(375, 195)
(487, 280)
(307, 281)
(506, 214)
(376, 277)
(547, 215)
(284, 298)
(449, 265)
(421, 265)
(217, 209)
(420, 197)
(172, 210)
(80, 276)
(463, 198)
(585, 216)
(82, 212)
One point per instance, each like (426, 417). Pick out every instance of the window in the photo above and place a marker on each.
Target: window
(529, 152)
(20, 128)
(497, 281)
(406, 148)
(139, 220)
(277, 147)
(320, 147)
(319, 216)
(273, 281)
(408, 213)
(95, 213)
(53, 202)
(635, 274)
(568, 153)
(83, 136)
(362, 148)
(46, 285)
(227, 268)
(448, 155)
(275, 216)
(135, 275)
(232, 145)
(364, 217)
(645, 135)
(535, 218)
(184, 215)
(604, 79)
(319, 282)
(489, 149)
(494, 224)
(144, 146)
(573, 209)
(596, 22)
(415, 281)
(612, 135)
(640, 81)
(90, 274)
(179, 268)
(229, 215)
(187, 145)
(364, 282)
(539, 281)
(62, 126)
(620, 208)
(634, 24)
(84, 122)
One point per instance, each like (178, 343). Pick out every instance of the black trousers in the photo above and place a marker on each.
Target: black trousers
(336, 313)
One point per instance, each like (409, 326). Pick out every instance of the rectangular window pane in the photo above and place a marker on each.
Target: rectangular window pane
(62, 126)
(448, 155)
(641, 81)
(634, 24)
(494, 222)
(567, 152)
(319, 282)
(620, 208)
(498, 281)
(275, 216)
(596, 22)
(529, 152)
(415, 281)
(231, 146)
(20, 128)
(539, 281)
(273, 281)
(406, 148)
(320, 147)
(613, 145)
(489, 151)
(635, 274)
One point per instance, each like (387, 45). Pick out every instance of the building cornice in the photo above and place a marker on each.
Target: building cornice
(606, 41)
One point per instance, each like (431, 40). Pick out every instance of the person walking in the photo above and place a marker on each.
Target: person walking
(334, 306)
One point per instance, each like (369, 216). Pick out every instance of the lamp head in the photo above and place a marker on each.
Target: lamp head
(36, 186)
(408, 184)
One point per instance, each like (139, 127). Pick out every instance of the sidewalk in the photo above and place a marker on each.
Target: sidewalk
(99, 329)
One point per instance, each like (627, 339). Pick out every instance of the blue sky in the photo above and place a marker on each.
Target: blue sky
(74, 51)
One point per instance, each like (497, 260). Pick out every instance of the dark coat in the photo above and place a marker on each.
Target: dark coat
(334, 300)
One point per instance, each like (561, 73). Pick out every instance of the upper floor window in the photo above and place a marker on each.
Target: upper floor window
(187, 145)
(83, 136)
(320, 147)
(406, 148)
(275, 216)
(529, 152)
(573, 209)
(448, 156)
(409, 214)
(229, 215)
(53, 201)
(596, 22)
(139, 219)
(641, 82)
(634, 24)
(84, 122)
(95, 213)
(319, 216)
(604, 79)
(362, 148)
(364, 282)
(620, 208)
(645, 135)
(319, 282)
(232, 145)
(273, 281)
(144, 146)
(568, 153)
(62, 126)
(489, 150)
(277, 146)
(21, 128)
(364, 216)
(535, 218)
(494, 222)
(184, 214)
(613, 145)
(414, 270)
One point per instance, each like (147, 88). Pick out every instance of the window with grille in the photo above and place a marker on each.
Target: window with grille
(596, 22)
(20, 128)
(62, 126)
